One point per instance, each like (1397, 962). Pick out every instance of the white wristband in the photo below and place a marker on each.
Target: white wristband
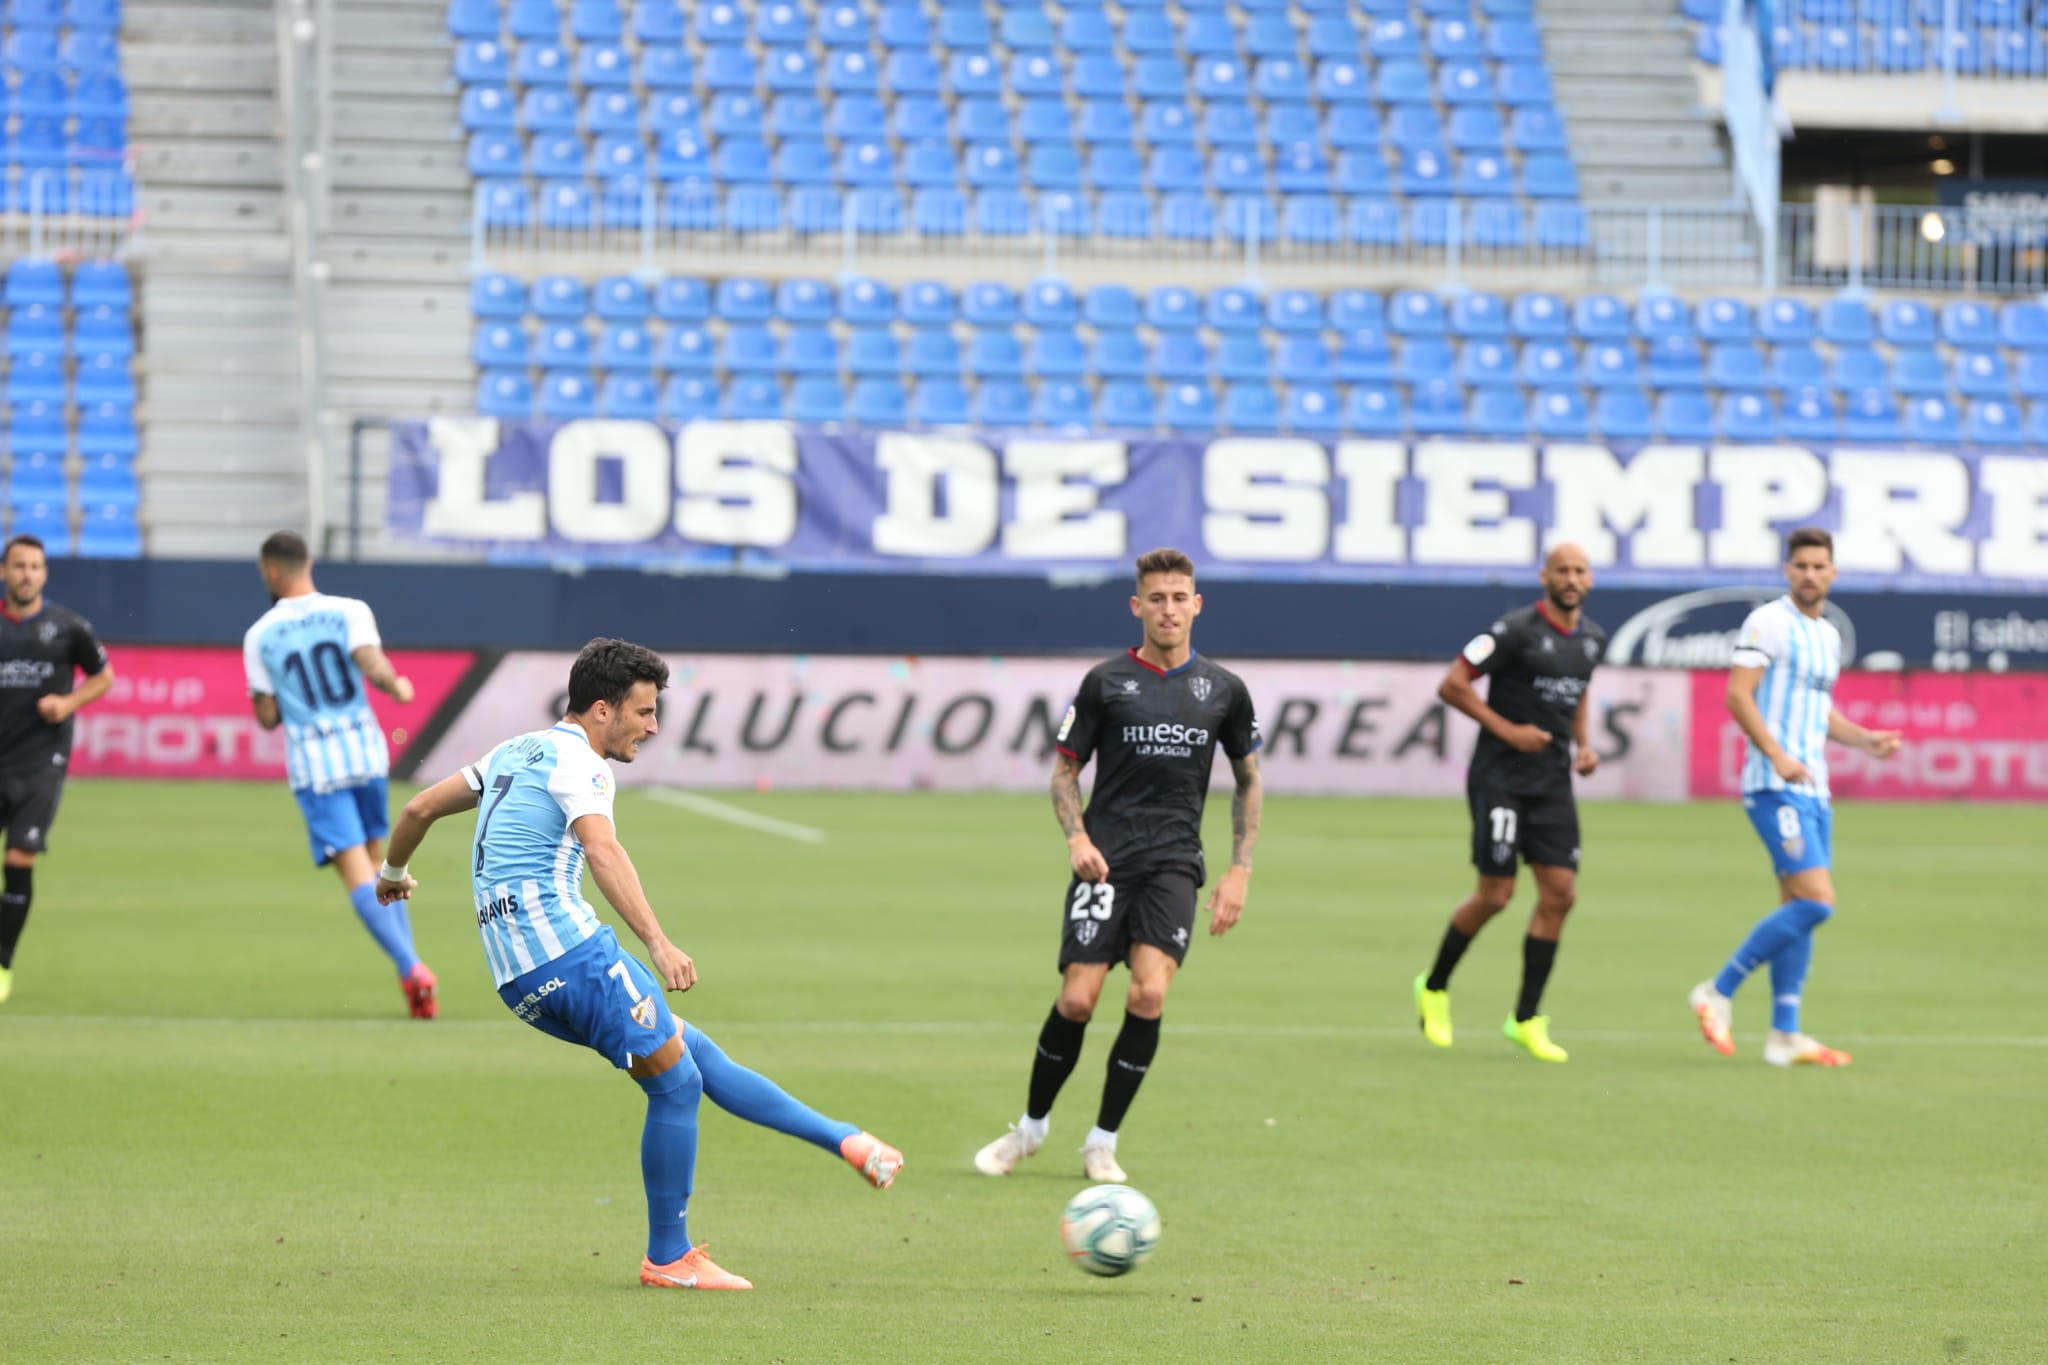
(394, 875)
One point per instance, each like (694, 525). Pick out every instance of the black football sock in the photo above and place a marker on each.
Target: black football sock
(1059, 1049)
(1537, 956)
(1130, 1057)
(21, 885)
(1456, 941)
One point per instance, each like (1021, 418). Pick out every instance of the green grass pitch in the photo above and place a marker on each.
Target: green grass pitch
(220, 1140)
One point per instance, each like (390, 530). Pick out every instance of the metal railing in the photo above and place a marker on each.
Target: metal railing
(71, 212)
(303, 40)
(1904, 247)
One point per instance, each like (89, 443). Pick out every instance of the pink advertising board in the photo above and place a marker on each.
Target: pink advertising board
(961, 724)
(1968, 736)
(178, 712)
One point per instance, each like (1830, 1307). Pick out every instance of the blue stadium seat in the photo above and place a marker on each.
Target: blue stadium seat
(1600, 317)
(1189, 407)
(30, 49)
(940, 212)
(1243, 356)
(741, 298)
(873, 351)
(501, 343)
(1172, 308)
(747, 349)
(1547, 364)
(1424, 361)
(1796, 366)
(104, 14)
(1873, 415)
(1722, 320)
(1486, 364)
(559, 298)
(600, 65)
(1127, 405)
(755, 398)
(1523, 83)
(1002, 403)
(1550, 176)
(1179, 356)
(1252, 408)
(38, 476)
(1116, 353)
(1736, 365)
(1981, 374)
(1514, 40)
(555, 157)
(1610, 364)
(664, 68)
(1856, 367)
(1099, 76)
(940, 403)
(506, 203)
(541, 64)
(1533, 128)
(817, 400)
(1051, 303)
(567, 395)
(781, 25)
(1294, 310)
(1539, 316)
(1365, 357)
(487, 108)
(1780, 321)
(686, 348)
(965, 29)
(1905, 322)
(1932, 418)
(1232, 309)
(1967, 323)
(36, 377)
(995, 353)
(596, 21)
(1374, 411)
(2024, 326)
(1035, 73)
(1809, 415)
(1312, 410)
(1313, 219)
(1438, 407)
(1684, 415)
(562, 345)
(904, 26)
(680, 298)
(2031, 379)
(1341, 80)
(1056, 353)
(1559, 414)
(1477, 128)
(1305, 359)
(109, 481)
(628, 397)
(1623, 415)
(1745, 417)
(103, 327)
(1497, 412)
(1416, 313)
(1111, 305)
(1562, 227)
(1675, 362)
(534, 21)
(1917, 371)
(1062, 403)
(808, 350)
(1994, 421)
(689, 398)
(1333, 35)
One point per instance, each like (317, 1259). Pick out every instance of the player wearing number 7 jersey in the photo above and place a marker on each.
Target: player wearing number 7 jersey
(546, 810)
(1781, 692)
(311, 660)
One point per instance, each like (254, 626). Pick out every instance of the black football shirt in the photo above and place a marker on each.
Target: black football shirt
(39, 656)
(1539, 673)
(1153, 736)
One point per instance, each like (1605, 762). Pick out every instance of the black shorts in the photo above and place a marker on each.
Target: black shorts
(1101, 920)
(1543, 827)
(28, 807)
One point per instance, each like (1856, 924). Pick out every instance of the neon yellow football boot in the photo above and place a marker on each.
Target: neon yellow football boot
(1433, 1008)
(6, 984)
(1533, 1037)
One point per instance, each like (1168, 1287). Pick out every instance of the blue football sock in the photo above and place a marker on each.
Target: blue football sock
(755, 1098)
(388, 924)
(668, 1158)
(1788, 975)
(1773, 933)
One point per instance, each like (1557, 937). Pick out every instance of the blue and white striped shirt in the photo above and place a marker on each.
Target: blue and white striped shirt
(528, 864)
(1801, 657)
(302, 651)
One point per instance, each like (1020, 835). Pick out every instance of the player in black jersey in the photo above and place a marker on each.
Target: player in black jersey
(1152, 719)
(42, 648)
(1534, 715)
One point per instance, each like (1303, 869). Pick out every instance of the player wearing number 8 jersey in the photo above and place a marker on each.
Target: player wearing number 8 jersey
(1152, 719)
(311, 660)
(545, 805)
(1788, 657)
(1540, 660)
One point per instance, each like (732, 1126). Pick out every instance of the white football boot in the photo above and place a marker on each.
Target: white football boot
(1001, 1156)
(1098, 1163)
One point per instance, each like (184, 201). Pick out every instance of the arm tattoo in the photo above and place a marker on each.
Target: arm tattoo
(1066, 795)
(1247, 808)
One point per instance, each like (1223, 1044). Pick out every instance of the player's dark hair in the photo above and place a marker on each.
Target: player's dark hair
(33, 542)
(1164, 560)
(606, 670)
(1809, 537)
(286, 549)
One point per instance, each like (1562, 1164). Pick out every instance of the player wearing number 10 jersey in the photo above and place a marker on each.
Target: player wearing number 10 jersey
(310, 660)
(544, 803)
(1152, 719)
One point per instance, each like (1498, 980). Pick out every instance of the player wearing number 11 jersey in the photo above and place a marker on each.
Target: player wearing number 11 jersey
(311, 660)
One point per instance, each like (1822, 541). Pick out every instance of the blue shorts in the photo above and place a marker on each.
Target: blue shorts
(598, 997)
(342, 819)
(1798, 829)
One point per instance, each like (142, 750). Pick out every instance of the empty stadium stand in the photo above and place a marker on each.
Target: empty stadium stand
(1357, 361)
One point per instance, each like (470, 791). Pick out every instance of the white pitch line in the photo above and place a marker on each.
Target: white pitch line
(943, 1026)
(733, 815)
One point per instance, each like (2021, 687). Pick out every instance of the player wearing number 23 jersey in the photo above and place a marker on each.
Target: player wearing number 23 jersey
(311, 661)
(544, 804)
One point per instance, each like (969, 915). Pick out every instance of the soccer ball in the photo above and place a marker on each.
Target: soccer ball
(1109, 1229)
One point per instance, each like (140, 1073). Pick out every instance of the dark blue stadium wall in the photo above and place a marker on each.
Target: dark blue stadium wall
(423, 606)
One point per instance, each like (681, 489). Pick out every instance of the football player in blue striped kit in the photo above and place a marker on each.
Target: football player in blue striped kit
(310, 661)
(546, 810)
(1781, 692)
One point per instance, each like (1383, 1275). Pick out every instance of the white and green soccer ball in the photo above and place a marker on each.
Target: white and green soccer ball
(1109, 1229)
